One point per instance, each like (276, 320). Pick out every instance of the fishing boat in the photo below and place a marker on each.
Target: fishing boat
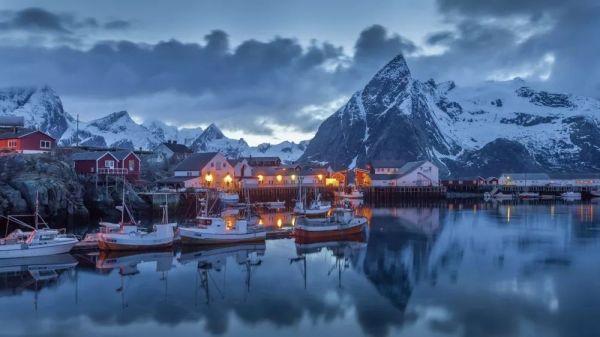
(353, 194)
(275, 204)
(208, 229)
(571, 195)
(341, 223)
(595, 193)
(41, 240)
(496, 194)
(316, 208)
(131, 237)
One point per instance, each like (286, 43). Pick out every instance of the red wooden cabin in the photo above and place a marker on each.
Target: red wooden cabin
(26, 141)
(108, 163)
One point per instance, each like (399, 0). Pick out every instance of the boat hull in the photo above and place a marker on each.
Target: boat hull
(121, 246)
(18, 250)
(198, 238)
(319, 233)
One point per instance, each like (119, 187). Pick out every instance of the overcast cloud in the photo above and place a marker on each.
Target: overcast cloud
(260, 87)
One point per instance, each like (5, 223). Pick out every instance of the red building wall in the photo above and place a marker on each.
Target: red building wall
(30, 142)
(85, 166)
(135, 172)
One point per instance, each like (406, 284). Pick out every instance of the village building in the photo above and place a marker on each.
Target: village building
(355, 177)
(208, 169)
(416, 173)
(545, 179)
(465, 181)
(26, 141)
(171, 151)
(111, 163)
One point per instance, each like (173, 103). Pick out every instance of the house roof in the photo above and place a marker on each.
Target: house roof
(175, 179)
(120, 155)
(12, 121)
(90, 155)
(177, 148)
(404, 170)
(196, 161)
(259, 161)
(20, 133)
(385, 176)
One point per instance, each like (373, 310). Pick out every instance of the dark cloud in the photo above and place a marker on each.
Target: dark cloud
(374, 43)
(117, 24)
(551, 42)
(40, 20)
(248, 87)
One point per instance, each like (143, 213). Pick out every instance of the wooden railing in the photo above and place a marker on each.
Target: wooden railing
(113, 171)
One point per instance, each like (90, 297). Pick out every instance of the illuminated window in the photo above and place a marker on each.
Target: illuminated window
(279, 178)
(293, 177)
(208, 178)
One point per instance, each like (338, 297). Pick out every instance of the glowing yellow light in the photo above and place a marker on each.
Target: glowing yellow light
(228, 179)
(293, 177)
(260, 177)
(208, 178)
(260, 222)
(279, 223)
(320, 176)
(279, 178)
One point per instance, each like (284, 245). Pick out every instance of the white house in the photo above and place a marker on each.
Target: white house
(416, 173)
(211, 168)
(524, 179)
(171, 150)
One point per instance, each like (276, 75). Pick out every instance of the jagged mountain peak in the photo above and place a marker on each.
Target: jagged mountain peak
(464, 130)
(212, 132)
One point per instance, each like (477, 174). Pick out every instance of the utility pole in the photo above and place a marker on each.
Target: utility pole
(77, 132)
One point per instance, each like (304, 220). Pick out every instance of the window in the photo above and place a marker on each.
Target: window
(109, 164)
(12, 143)
(45, 144)
(131, 165)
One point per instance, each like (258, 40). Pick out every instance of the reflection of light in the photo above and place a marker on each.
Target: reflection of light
(293, 221)
(279, 223)
(552, 210)
(260, 222)
(508, 214)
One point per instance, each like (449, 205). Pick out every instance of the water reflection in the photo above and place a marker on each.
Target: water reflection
(450, 269)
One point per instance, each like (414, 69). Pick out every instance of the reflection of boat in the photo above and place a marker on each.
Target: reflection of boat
(529, 195)
(38, 263)
(595, 193)
(37, 242)
(571, 195)
(342, 222)
(216, 255)
(128, 261)
(131, 237)
(275, 204)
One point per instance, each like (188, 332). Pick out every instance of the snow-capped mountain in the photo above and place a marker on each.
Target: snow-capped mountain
(43, 110)
(488, 129)
(213, 140)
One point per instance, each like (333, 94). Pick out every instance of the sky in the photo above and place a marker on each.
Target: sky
(274, 70)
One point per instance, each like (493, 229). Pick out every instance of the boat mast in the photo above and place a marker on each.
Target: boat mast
(123, 203)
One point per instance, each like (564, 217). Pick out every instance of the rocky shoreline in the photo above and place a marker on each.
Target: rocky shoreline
(61, 192)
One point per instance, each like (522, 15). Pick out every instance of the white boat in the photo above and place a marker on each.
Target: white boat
(341, 223)
(229, 198)
(214, 230)
(353, 194)
(495, 194)
(595, 193)
(131, 237)
(571, 195)
(40, 241)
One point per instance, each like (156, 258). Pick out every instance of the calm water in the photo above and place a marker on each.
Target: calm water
(448, 270)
